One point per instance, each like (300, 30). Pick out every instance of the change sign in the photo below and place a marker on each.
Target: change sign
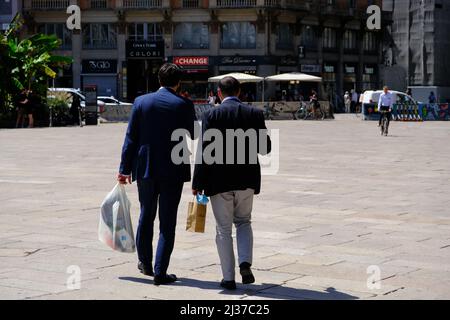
(191, 61)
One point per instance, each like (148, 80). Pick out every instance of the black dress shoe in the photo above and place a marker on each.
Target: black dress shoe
(246, 273)
(229, 285)
(148, 271)
(166, 279)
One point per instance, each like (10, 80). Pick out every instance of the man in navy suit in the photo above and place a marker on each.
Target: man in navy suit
(146, 157)
(234, 178)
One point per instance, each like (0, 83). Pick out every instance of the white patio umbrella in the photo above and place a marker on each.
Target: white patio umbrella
(294, 76)
(241, 77)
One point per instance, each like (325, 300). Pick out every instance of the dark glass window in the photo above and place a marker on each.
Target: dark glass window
(238, 35)
(60, 30)
(329, 38)
(285, 39)
(308, 38)
(191, 35)
(99, 36)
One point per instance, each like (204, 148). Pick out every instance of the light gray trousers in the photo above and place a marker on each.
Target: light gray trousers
(233, 207)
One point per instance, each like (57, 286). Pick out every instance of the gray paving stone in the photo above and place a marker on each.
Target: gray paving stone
(331, 211)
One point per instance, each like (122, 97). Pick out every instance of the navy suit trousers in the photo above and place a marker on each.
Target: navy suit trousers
(167, 195)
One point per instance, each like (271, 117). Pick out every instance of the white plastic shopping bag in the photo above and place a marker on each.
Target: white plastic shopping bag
(115, 228)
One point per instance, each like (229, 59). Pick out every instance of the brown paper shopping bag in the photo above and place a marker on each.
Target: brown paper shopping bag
(196, 217)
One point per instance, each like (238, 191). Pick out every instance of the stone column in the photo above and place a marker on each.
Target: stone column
(121, 50)
(360, 44)
(76, 55)
(319, 33)
(340, 66)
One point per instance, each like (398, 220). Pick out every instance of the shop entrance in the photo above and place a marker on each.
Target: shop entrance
(142, 76)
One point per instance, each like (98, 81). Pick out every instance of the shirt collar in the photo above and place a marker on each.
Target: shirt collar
(168, 89)
(231, 98)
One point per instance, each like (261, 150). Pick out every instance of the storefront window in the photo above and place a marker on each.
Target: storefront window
(60, 30)
(238, 35)
(329, 38)
(329, 72)
(369, 78)
(144, 31)
(285, 36)
(349, 40)
(99, 36)
(191, 36)
(308, 38)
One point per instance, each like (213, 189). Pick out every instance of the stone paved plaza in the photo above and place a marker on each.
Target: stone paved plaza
(346, 204)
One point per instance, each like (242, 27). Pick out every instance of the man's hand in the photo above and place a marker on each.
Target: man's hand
(123, 179)
(196, 192)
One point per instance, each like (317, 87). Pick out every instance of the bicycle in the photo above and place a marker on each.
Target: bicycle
(270, 112)
(384, 123)
(314, 112)
(301, 112)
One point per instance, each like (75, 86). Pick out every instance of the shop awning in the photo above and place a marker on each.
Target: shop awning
(294, 76)
(242, 77)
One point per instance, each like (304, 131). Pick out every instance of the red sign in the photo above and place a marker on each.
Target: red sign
(191, 61)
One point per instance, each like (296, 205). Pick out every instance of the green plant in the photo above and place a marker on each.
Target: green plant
(26, 64)
(58, 107)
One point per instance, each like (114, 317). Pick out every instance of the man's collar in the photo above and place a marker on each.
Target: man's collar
(231, 98)
(168, 89)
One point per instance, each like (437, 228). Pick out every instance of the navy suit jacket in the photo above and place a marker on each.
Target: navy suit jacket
(147, 149)
(222, 177)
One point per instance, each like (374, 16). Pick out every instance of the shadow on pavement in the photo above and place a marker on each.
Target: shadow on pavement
(257, 290)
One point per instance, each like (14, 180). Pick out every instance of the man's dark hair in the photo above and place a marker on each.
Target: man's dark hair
(229, 86)
(169, 75)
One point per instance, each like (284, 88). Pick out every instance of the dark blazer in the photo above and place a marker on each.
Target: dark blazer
(222, 177)
(146, 152)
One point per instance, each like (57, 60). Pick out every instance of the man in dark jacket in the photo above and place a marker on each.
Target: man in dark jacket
(231, 175)
(147, 156)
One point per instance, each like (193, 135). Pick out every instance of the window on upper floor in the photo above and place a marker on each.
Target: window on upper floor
(370, 42)
(308, 38)
(145, 31)
(349, 40)
(191, 35)
(329, 40)
(285, 36)
(238, 35)
(99, 36)
(60, 30)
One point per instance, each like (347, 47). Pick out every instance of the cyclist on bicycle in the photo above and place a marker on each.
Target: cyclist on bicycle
(314, 101)
(385, 104)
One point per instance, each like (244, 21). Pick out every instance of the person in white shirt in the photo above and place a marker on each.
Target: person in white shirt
(212, 98)
(385, 103)
(347, 102)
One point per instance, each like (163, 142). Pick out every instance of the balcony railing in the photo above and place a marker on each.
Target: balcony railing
(98, 4)
(141, 4)
(290, 4)
(236, 3)
(47, 4)
(296, 4)
(272, 3)
(190, 4)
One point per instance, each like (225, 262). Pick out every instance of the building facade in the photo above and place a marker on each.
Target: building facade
(122, 43)
(417, 53)
(8, 9)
